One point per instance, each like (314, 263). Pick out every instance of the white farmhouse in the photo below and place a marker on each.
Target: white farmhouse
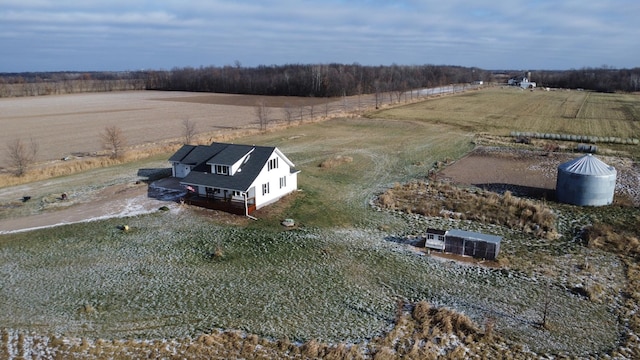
(235, 178)
(522, 82)
(527, 84)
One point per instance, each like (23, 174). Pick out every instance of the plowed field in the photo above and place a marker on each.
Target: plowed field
(71, 124)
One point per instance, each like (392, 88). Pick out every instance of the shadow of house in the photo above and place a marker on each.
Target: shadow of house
(152, 174)
(165, 189)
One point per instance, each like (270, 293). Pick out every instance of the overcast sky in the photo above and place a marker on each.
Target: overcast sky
(85, 35)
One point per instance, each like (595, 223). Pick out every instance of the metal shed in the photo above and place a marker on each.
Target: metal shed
(586, 181)
(469, 243)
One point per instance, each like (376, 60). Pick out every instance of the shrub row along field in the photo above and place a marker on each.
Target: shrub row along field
(581, 138)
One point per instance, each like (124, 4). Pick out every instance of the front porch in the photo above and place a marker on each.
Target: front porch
(220, 203)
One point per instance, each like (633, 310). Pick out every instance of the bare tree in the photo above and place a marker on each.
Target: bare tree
(546, 305)
(378, 93)
(188, 130)
(21, 155)
(311, 111)
(113, 139)
(262, 114)
(288, 113)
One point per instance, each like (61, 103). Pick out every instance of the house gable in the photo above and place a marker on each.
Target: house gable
(229, 160)
(240, 180)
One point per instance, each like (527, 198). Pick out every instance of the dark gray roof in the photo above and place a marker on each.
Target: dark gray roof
(474, 236)
(436, 231)
(230, 154)
(202, 153)
(242, 179)
(180, 154)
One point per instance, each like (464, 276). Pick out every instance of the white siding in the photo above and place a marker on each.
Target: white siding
(273, 179)
(180, 170)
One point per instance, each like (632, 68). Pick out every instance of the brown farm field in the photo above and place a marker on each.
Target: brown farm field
(71, 124)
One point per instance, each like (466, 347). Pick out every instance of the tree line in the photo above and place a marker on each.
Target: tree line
(327, 80)
(308, 80)
(603, 79)
(57, 83)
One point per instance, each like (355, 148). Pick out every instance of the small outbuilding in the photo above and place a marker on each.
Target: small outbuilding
(586, 181)
(465, 243)
(469, 243)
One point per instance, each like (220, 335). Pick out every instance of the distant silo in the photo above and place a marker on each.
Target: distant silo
(586, 181)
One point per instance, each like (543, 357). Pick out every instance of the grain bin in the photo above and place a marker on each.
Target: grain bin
(586, 181)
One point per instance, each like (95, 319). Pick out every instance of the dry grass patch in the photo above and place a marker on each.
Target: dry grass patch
(77, 165)
(423, 332)
(622, 240)
(336, 161)
(448, 201)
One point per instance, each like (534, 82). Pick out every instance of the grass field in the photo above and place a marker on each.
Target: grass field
(502, 110)
(336, 278)
(382, 154)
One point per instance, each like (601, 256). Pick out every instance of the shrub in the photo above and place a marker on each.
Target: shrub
(336, 161)
(448, 201)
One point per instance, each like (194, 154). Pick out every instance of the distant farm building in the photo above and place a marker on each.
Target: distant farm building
(523, 81)
(586, 181)
(465, 243)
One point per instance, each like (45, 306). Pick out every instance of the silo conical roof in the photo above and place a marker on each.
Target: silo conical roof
(587, 165)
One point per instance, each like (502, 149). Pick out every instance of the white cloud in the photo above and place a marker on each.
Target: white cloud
(497, 34)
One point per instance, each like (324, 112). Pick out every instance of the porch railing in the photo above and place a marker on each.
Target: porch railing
(228, 205)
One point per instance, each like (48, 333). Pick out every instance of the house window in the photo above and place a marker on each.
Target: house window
(273, 164)
(430, 237)
(237, 193)
(265, 189)
(222, 169)
(283, 182)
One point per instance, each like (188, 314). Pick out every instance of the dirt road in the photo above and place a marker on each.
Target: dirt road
(93, 195)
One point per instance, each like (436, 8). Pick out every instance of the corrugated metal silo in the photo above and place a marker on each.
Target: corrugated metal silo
(586, 181)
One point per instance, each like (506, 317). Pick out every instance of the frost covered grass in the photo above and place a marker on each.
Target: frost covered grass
(337, 279)
(174, 275)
